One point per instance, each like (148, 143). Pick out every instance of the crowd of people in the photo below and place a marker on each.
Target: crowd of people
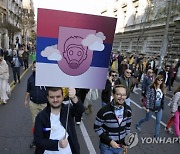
(113, 120)
(130, 71)
(139, 65)
(16, 58)
(55, 110)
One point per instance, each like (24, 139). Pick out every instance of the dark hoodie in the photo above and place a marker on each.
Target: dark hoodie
(41, 138)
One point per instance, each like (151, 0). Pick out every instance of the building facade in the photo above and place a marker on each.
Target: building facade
(141, 25)
(3, 17)
(10, 12)
(28, 22)
(15, 16)
(14, 19)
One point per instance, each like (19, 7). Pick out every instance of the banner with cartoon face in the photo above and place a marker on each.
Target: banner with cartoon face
(73, 49)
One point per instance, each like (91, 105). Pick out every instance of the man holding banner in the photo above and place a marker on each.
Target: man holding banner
(69, 54)
(54, 127)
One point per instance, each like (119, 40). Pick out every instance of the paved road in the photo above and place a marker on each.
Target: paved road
(15, 126)
(15, 122)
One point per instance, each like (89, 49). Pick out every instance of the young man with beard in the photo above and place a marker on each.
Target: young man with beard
(51, 136)
(113, 122)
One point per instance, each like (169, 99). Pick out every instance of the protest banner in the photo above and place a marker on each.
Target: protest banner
(73, 49)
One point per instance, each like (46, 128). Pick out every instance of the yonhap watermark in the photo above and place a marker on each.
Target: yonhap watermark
(160, 140)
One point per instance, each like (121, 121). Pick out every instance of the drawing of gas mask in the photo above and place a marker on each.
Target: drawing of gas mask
(74, 52)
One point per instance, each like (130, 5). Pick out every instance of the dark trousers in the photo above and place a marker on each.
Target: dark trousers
(16, 73)
(78, 118)
(168, 84)
(172, 80)
(26, 63)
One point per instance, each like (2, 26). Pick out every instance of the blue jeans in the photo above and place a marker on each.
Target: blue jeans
(158, 120)
(105, 149)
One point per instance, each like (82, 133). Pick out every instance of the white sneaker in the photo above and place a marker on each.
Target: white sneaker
(78, 123)
(169, 130)
(4, 101)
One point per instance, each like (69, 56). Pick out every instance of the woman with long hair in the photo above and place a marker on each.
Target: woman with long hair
(154, 103)
(176, 110)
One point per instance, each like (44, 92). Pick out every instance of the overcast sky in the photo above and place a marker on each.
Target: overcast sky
(81, 6)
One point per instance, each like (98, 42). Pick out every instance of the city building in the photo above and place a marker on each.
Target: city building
(16, 22)
(3, 17)
(10, 22)
(14, 19)
(142, 26)
(28, 23)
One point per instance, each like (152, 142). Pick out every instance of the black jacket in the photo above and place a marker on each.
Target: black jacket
(38, 94)
(41, 138)
(163, 73)
(106, 93)
(81, 93)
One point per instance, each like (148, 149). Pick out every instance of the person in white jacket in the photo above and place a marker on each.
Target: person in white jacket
(176, 111)
(4, 77)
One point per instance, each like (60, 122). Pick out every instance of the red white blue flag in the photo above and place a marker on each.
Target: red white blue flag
(73, 49)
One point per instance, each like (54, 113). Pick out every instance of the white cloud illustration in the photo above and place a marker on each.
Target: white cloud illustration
(94, 41)
(101, 35)
(49, 50)
(96, 46)
(90, 39)
(54, 56)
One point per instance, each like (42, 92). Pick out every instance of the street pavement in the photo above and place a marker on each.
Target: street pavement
(16, 123)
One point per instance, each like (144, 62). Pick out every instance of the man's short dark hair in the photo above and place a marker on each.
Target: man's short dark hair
(117, 86)
(112, 71)
(54, 89)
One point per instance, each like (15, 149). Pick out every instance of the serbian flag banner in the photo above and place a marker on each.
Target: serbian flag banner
(73, 49)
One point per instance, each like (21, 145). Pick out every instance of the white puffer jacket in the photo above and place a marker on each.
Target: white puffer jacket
(175, 102)
(4, 70)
